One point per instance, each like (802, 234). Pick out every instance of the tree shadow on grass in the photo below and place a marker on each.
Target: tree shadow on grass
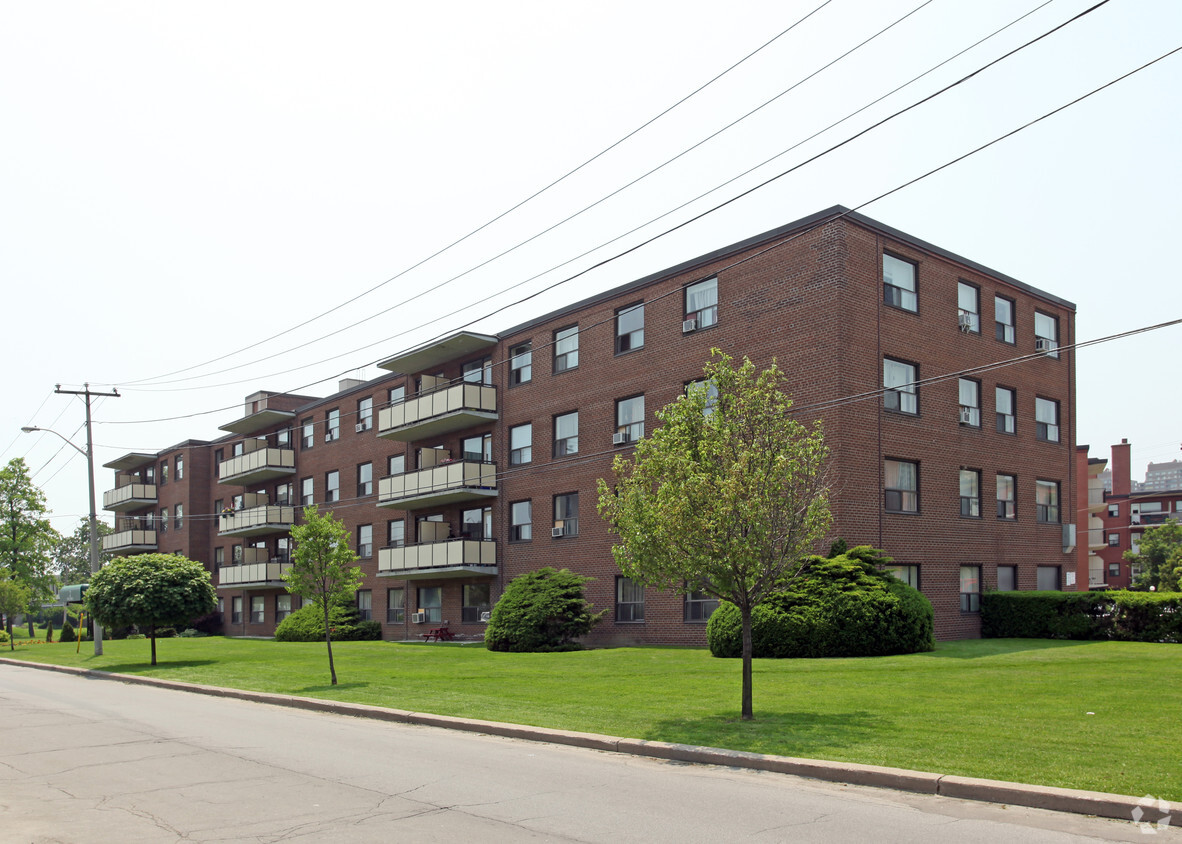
(807, 734)
(146, 665)
(981, 648)
(329, 687)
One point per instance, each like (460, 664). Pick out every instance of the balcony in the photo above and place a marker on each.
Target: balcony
(256, 521)
(256, 571)
(438, 410)
(450, 558)
(258, 463)
(130, 493)
(448, 483)
(133, 541)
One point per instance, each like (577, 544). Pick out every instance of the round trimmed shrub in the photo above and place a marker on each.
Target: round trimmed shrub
(307, 625)
(541, 611)
(844, 606)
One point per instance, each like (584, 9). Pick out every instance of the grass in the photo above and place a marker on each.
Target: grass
(1094, 715)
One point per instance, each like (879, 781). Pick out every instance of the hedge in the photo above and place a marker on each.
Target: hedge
(307, 625)
(1119, 615)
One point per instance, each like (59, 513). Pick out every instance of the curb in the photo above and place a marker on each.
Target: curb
(1098, 803)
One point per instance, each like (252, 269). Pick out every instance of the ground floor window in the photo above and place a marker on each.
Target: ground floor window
(629, 600)
(365, 604)
(258, 609)
(907, 574)
(970, 588)
(236, 610)
(1048, 578)
(699, 606)
(282, 607)
(431, 603)
(1114, 569)
(1007, 578)
(477, 602)
(395, 606)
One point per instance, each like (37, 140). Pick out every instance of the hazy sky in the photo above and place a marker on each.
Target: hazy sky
(181, 180)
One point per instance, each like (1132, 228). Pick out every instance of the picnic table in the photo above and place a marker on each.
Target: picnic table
(439, 634)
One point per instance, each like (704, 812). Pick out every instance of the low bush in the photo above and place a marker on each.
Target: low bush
(541, 611)
(165, 632)
(307, 625)
(842, 606)
(1120, 615)
(69, 634)
(3, 637)
(191, 633)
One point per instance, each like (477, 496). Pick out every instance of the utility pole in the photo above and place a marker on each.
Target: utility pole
(94, 541)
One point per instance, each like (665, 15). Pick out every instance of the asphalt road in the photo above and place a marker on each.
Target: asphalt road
(85, 760)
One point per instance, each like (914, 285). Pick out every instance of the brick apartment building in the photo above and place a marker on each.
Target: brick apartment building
(476, 459)
(1114, 520)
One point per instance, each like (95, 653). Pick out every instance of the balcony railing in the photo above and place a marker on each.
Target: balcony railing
(255, 521)
(448, 483)
(450, 558)
(257, 466)
(440, 411)
(130, 540)
(269, 573)
(129, 496)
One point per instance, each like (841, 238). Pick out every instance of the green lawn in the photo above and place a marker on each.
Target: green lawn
(1011, 709)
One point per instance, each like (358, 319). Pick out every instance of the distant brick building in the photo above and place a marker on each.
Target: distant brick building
(946, 390)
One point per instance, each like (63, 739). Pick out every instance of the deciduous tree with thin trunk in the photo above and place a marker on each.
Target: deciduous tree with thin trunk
(726, 497)
(323, 567)
(26, 536)
(14, 598)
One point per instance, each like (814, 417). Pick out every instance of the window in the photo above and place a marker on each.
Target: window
(307, 495)
(478, 371)
(178, 516)
(521, 439)
(1003, 319)
(701, 303)
(365, 541)
(238, 449)
(630, 328)
(237, 502)
(1046, 334)
(629, 600)
(968, 308)
(332, 425)
(219, 557)
(180, 467)
(365, 604)
(970, 402)
(365, 414)
(970, 588)
(902, 486)
(477, 448)
(282, 607)
(283, 549)
(1046, 419)
(307, 434)
(218, 508)
(164, 473)
(907, 574)
(1007, 486)
(396, 464)
(282, 495)
(898, 283)
(711, 391)
(476, 523)
(1114, 540)
(219, 455)
(431, 603)
(899, 391)
(477, 602)
(566, 514)
(1046, 501)
(566, 348)
(521, 360)
(1007, 578)
(163, 520)
(258, 614)
(236, 610)
(395, 533)
(630, 418)
(566, 434)
(1114, 510)
(970, 493)
(332, 486)
(364, 480)
(395, 606)
(699, 607)
(1114, 570)
(1004, 402)
(1048, 578)
(520, 521)
(283, 438)
(396, 395)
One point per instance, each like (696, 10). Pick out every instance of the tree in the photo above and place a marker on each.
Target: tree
(26, 537)
(323, 567)
(1159, 557)
(150, 590)
(14, 598)
(71, 553)
(726, 498)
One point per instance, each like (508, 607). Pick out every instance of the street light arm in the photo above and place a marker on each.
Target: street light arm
(28, 429)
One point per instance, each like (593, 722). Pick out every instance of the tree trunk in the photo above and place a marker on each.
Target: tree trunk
(32, 632)
(11, 638)
(152, 633)
(328, 641)
(748, 714)
(49, 630)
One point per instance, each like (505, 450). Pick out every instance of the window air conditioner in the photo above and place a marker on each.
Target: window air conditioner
(484, 616)
(359, 427)
(620, 438)
(329, 437)
(965, 320)
(556, 533)
(689, 325)
(418, 617)
(966, 416)
(1043, 344)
